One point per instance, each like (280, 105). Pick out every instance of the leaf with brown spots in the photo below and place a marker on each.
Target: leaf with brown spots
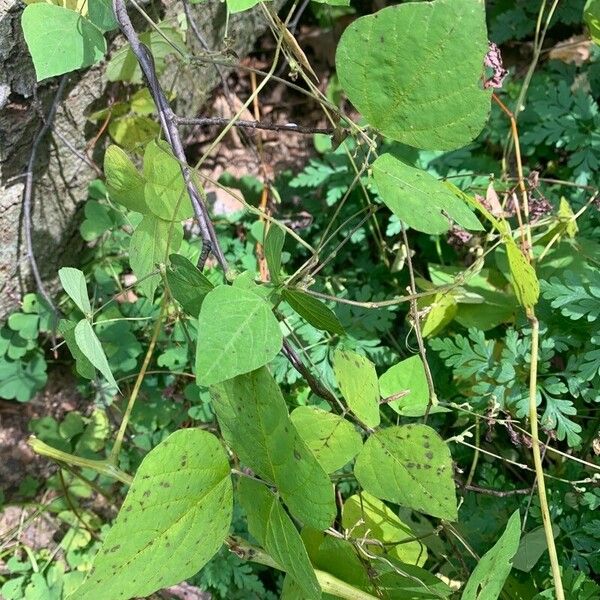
(174, 519)
(411, 466)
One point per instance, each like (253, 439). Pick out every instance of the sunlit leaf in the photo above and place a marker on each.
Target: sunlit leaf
(175, 517)
(238, 333)
(332, 439)
(358, 382)
(272, 527)
(254, 421)
(73, 282)
(414, 71)
(399, 464)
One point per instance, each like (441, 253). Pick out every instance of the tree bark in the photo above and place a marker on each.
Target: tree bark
(60, 177)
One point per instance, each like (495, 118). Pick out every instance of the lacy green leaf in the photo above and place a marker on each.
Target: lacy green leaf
(399, 464)
(174, 519)
(415, 71)
(238, 333)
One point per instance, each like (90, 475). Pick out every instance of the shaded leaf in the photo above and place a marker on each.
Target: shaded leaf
(89, 344)
(317, 313)
(531, 548)
(175, 517)
(165, 190)
(523, 278)
(399, 464)
(82, 364)
(238, 333)
(124, 183)
(273, 246)
(187, 284)
(100, 13)
(152, 241)
(368, 517)
(488, 578)
(406, 376)
(358, 382)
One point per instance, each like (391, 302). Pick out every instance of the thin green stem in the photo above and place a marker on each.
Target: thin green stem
(114, 454)
(537, 458)
(104, 467)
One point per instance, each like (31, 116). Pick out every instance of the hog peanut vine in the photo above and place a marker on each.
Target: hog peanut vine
(421, 75)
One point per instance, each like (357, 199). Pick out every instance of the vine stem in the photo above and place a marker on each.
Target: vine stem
(533, 370)
(537, 457)
(329, 584)
(114, 454)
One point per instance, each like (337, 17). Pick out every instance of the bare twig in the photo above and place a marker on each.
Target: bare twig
(315, 385)
(28, 192)
(287, 127)
(414, 311)
(168, 122)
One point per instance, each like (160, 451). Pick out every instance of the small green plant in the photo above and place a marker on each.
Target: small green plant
(254, 399)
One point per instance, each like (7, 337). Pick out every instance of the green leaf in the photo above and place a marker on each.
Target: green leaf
(90, 346)
(274, 530)
(60, 40)
(123, 66)
(82, 365)
(419, 199)
(314, 311)
(124, 183)
(20, 380)
(332, 439)
(414, 71)
(133, 131)
(73, 282)
(358, 383)
(235, 6)
(531, 548)
(100, 13)
(368, 517)
(273, 246)
(488, 578)
(174, 519)
(165, 190)
(151, 243)
(237, 333)
(254, 421)
(522, 276)
(187, 284)
(439, 311)
(406, 376)
(591, 17)
(409, 465)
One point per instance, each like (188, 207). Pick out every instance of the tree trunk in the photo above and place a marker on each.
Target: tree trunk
(60, 177)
